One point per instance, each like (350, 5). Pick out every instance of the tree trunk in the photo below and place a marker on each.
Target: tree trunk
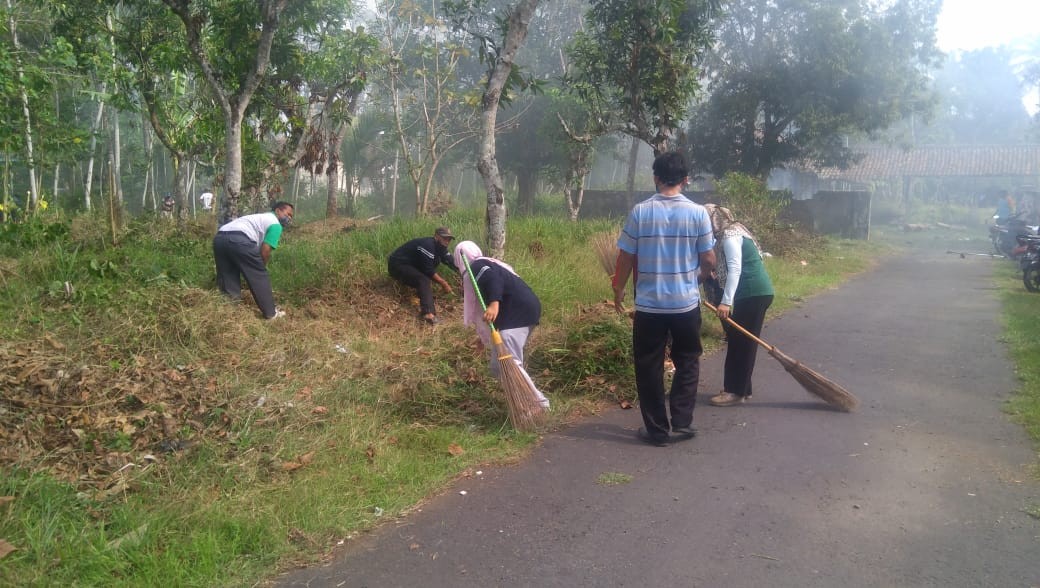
(232, 104)
(633, 159)
(526, 191)
(117, 160)
(393, 185)
(34, 194)
(180, 182)
(113, 221)
(232, 169)
(334, 171)
(487, 165)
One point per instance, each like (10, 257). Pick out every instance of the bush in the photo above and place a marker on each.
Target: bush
(759, 210)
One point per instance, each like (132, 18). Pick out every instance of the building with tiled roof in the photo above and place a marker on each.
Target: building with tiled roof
(879, 163)
(1012, 164)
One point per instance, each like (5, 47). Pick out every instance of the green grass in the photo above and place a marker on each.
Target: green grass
(290, 445)
(1021, 313)
(613, 479)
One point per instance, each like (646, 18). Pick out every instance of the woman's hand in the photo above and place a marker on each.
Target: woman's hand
(723, 311)
(492, 312)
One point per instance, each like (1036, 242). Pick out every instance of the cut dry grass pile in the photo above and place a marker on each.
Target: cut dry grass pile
(189, 370)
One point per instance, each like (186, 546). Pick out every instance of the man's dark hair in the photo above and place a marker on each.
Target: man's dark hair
(280, 204)
(670, 168)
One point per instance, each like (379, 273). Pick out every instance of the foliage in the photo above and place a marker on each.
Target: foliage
(792, 79)
(639, 59)
(750, 200)
(33, 82)
(761, 210)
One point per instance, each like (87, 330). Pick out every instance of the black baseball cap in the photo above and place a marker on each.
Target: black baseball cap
(444, 232)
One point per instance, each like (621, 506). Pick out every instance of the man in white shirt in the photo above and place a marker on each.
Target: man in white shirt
(243, 247)
(207, 200)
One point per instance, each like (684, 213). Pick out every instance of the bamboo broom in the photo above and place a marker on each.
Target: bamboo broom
(813, 382)
(521, 400)
(605, 246)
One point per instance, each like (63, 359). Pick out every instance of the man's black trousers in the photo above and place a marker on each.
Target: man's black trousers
(408, 275)
(237, 255)
(650, 334)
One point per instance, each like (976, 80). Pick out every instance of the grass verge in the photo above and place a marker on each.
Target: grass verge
(151, 430)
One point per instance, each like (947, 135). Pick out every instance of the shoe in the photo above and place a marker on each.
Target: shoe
(645, 437)
(726, 399)
(278, 313)
(431, 320)
(684, 433)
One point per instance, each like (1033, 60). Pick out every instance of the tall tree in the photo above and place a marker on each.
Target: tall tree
(430, 113)
(498, 51)
(35, 67)
(337, 75)
(791, 79)
(231, 43)
(639, 56)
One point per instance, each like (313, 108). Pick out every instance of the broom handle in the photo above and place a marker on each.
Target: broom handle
(734, 324)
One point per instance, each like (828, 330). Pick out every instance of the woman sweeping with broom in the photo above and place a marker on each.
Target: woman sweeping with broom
(505, 301)
(743, 293)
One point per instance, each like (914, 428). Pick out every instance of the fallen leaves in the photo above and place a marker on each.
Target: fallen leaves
(6, 548)
(85, 423)
(455, 450)
(299, 462)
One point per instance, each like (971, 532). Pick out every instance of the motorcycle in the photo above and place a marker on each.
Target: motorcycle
(1028, 250)
(1005, 231)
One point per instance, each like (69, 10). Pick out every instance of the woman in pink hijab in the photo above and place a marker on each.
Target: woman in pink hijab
(511, 305)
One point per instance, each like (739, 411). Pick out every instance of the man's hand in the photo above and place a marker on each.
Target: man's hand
(619, 300)
(723, 311)
(443, 284)
(622, 270)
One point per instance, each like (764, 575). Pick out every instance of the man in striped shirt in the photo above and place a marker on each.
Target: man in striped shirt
(667, 245)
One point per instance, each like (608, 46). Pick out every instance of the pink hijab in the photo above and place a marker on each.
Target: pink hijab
(472, 312)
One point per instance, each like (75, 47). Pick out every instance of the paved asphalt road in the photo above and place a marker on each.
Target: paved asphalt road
(926, 485)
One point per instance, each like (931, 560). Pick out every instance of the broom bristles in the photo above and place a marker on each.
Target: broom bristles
(816, 384)
(605, 246)
(524, 409)
(521, 394)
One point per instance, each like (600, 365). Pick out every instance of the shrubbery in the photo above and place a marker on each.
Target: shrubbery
(759, 209)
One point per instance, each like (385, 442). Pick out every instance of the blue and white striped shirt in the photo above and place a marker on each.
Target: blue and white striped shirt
(667, 234)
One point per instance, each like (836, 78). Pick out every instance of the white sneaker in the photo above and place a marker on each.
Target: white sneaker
(278, 313)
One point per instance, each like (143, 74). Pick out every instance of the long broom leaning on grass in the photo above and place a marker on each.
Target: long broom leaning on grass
(522, 397)
(811, 381)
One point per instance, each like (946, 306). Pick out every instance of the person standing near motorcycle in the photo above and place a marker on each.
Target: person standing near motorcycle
(1005, 207)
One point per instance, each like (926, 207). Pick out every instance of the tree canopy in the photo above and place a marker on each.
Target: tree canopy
(792, 80)
(640, 58)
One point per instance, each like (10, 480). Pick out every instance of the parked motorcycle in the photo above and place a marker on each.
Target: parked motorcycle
(1028, 250)
(1005, 231)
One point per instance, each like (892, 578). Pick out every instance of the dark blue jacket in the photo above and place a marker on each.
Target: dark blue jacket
(423, 254)
(517, 304)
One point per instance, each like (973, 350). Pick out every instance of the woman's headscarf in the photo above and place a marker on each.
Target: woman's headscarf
(472, 312)
(724, 225)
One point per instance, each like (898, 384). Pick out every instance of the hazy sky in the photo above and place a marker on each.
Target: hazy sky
(973, 24)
